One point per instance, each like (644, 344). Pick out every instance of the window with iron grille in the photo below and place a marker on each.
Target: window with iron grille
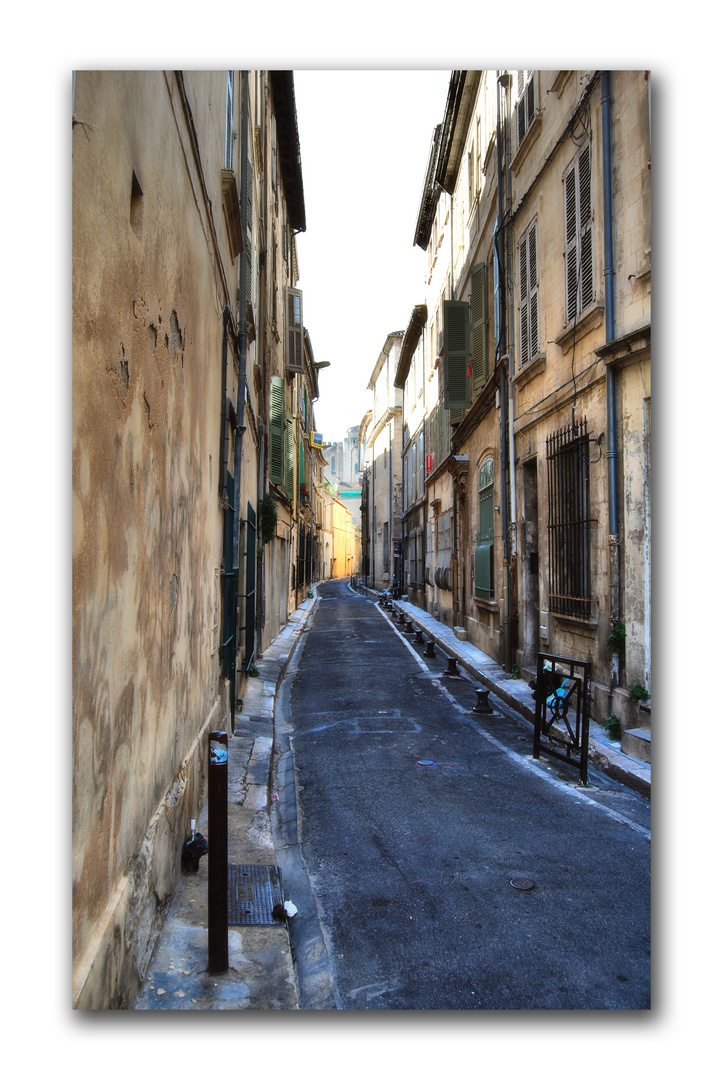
(569, 521)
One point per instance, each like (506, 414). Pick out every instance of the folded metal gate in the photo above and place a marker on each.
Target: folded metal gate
(562, 714)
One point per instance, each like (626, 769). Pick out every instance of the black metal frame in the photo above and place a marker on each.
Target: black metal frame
(562, 691)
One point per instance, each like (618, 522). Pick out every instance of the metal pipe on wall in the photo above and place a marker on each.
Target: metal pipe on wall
(241, 390)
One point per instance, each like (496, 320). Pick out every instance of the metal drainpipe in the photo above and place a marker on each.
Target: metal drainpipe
(510, 329)
(223, 452)
(500, 246)
(241, 393)
(612, 423)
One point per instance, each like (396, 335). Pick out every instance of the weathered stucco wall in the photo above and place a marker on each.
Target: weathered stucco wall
(147, 345)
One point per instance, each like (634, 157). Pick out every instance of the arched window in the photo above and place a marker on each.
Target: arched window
(484, 581)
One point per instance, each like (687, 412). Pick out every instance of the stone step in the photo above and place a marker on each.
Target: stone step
(636, 743)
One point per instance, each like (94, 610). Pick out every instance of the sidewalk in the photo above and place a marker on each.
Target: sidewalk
(604, 753)
(261, 970)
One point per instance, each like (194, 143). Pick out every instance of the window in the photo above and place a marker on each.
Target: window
(529, 338)
(496, 265)
(230, 101)
(276, 431)
(294, 331)
(484, 550)
(525, 103)
(579, 284)
(480, 327)
(457, 388)
(569, 523)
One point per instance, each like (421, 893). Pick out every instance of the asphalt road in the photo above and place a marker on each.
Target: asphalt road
(411, 864)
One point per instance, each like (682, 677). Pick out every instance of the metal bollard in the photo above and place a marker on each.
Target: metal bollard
(429, 651)
(218, 853)
(451, 666)
(483, 703)
(409, 627)
(419, 636)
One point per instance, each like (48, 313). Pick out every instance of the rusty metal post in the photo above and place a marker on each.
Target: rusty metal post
(218, 853)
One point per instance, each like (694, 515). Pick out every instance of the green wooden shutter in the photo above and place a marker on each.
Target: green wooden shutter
(276, 431)
(457, 387)
(480, 323)
(484, 550)
(302, 479)
(290, 457)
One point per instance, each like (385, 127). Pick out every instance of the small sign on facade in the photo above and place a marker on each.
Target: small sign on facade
(317, 439)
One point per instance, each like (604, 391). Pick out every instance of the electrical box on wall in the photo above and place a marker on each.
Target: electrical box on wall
(544, 626)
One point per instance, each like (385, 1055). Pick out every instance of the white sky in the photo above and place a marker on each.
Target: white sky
(365, 138)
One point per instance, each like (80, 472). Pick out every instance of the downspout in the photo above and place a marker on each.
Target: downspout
(504, 360)
(512, 527)
(455, 603)
(612, 422)
(223, 449)
(241, 393)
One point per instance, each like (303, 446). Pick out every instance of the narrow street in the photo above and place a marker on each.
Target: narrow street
(411, 864)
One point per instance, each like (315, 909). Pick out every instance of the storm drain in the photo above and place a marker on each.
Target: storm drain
(253, 891)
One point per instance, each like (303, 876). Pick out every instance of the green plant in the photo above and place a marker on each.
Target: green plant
(637, 692)
(515, 673)
(613, 726)
(253, 671)
(616, 641)
(268, 517)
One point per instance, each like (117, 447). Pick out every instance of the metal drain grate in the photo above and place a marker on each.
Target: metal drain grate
(253, 891)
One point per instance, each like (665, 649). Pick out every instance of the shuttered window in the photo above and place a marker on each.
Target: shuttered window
(230, 103)
(289, 449)
(579, 286)
(529, 334)
(480, 327)
(276, 431)
(457, 388)
(525, 103)
(484, 549)
(294, 331)
(498, 311)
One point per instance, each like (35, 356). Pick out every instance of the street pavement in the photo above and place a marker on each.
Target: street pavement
(447, 868)
(401, 872)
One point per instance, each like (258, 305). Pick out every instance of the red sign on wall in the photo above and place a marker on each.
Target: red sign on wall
(430, 462)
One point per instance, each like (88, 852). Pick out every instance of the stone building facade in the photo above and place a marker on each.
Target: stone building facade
(536, 205)
(381, 432)
(193, 482)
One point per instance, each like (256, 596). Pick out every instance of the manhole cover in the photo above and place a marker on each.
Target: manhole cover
(523, 884)
(253, 891)
(426, 763)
